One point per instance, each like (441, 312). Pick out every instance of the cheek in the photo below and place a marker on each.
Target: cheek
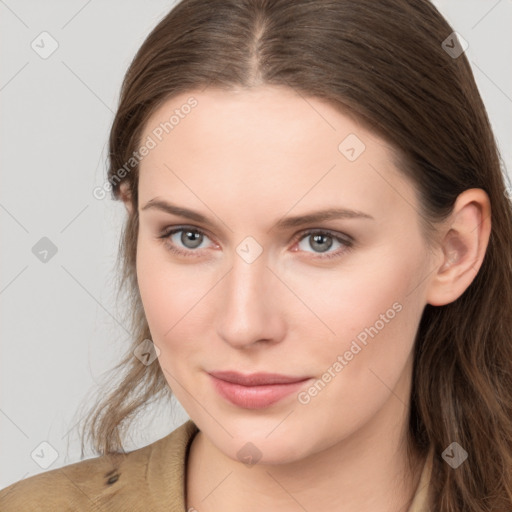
(157, 290)
(375, 317)
(351, 296)
(171, 296)
(367, 312)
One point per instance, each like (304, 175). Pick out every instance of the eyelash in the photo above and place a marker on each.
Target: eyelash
(347, 242)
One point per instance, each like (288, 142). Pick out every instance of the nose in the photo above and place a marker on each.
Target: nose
(251, 311)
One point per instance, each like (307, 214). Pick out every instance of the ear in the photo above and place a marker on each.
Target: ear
(465, 237)
(126, 196)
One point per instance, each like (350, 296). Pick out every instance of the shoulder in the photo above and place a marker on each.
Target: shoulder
(121, 481)
(74, 487)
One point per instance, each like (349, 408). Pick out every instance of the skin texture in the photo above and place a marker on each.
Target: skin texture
(246, 159)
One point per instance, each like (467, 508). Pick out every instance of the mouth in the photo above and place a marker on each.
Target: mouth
(257, 390)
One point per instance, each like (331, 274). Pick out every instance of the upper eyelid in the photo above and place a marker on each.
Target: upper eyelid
(176, 229)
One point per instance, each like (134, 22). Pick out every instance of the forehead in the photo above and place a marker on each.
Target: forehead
(267, 144)
(248, 116)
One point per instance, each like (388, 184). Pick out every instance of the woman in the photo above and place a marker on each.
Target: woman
(251, 138)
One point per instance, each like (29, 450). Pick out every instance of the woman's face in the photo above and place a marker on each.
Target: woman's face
(255, 287)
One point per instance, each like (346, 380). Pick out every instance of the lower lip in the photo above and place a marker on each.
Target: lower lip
(255, 397)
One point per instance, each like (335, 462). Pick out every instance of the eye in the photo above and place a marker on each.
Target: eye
(321, 241)
(187, 241)
(188, 237)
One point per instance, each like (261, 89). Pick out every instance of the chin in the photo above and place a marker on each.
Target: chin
(279, 448)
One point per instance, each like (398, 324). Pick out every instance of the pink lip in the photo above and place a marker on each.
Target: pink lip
(257, 390)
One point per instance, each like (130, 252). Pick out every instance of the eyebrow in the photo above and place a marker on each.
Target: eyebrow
(282, 224)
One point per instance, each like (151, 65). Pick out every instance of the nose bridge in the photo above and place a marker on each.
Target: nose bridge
(247, 283)
(248, 306)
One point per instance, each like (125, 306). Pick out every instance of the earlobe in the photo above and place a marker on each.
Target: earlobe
(463, 247)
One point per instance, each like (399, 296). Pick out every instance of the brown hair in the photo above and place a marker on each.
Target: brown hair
(384, 63)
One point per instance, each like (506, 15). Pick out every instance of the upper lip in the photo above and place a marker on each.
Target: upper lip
(255, 379)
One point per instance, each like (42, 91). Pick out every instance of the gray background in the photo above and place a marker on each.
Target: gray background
(61, 328)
